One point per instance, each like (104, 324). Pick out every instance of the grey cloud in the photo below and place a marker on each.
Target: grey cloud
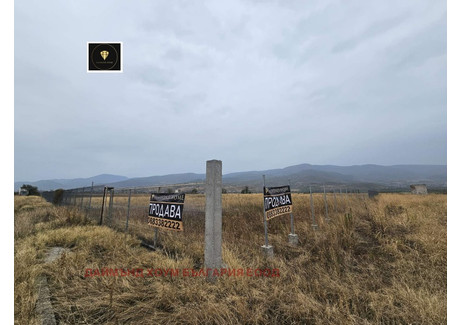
(233, 80)
(371, 31)
(416, 49)
(156, 76)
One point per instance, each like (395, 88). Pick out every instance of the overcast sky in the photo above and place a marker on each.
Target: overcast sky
(256, 84)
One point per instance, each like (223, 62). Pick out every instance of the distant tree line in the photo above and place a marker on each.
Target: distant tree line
(31, 190)
(245, 190)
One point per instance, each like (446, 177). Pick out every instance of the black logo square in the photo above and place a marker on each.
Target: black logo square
(104, 57)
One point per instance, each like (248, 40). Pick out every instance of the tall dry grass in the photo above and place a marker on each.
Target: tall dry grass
(386, 264)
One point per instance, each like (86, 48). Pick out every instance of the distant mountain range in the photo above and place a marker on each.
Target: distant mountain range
(358, 176)
(300, 176)
(53, 184)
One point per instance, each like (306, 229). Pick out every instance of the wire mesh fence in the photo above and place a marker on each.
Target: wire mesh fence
(127, 209)
(124, 209)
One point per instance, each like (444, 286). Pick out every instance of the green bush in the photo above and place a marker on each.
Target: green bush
(33, 190)
(58, 196)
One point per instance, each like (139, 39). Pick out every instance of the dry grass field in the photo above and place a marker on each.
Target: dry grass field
(387, 264)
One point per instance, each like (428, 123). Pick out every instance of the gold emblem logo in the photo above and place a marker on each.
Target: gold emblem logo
(104, 57)
(104, 54)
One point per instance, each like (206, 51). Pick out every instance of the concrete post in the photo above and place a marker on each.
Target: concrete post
(213, 218)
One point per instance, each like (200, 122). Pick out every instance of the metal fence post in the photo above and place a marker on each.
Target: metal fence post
(90, 197)
(266, 248)
(127, 215)
(314, 225)
(265, 221)
(102, 207)
(325, 203)
(293, 238)
(155, 238)
(335, 202)
(347, 200)
(82, 193)
(111, 206)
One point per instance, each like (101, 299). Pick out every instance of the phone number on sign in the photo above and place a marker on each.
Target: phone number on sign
(279, 211)
(168, 224)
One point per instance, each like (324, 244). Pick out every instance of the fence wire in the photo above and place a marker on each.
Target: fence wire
(126, 209)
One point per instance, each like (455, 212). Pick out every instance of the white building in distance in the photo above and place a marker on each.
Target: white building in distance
(418, 189)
